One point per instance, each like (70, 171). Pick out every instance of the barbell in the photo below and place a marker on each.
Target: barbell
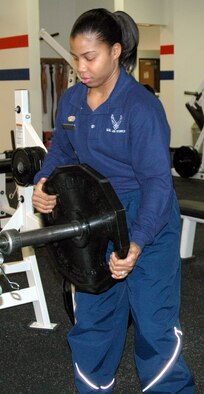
(87, 219)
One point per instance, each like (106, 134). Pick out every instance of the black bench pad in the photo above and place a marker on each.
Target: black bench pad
(192, 208)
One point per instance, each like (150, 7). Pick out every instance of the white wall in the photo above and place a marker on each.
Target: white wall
(19, 18)
(147, 11)
(85, 5)
(167, 87)
(32, 15)
(149, 38)
(189, 63)
(56, 17)
(149, 44)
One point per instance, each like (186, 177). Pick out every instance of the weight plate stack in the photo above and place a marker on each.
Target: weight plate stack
(26, 162)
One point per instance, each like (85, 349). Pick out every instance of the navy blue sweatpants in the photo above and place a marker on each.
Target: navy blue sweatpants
(152, 293)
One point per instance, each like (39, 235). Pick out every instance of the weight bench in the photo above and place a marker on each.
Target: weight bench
(192, 212)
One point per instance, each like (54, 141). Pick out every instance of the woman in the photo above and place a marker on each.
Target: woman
(116, 126)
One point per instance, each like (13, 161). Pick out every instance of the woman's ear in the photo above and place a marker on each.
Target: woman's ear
(117, 49)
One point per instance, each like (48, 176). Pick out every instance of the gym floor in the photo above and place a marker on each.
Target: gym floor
(38, 361)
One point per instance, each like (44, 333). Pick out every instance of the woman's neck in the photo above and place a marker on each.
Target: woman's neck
(98, 95)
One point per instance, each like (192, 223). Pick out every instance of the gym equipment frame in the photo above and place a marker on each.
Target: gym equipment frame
(23, 219)
(5, 209)
(192, 212)
(187, 161)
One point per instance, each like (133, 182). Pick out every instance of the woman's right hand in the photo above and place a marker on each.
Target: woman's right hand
(42, 201)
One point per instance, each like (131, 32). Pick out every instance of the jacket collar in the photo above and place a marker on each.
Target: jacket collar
(116, 99)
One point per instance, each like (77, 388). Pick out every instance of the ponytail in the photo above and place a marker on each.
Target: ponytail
(130, 40)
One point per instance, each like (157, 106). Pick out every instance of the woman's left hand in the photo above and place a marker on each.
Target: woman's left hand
(120, 268)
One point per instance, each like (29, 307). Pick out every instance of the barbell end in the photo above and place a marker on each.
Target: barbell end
(10, 241)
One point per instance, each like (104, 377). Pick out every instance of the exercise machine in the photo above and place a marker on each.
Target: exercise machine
(24, 218)
(187, 160)
(6, 210)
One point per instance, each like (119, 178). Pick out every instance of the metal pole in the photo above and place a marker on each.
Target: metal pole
(11, 240)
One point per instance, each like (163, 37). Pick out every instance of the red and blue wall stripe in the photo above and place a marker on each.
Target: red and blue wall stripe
(18, 74)
(23, 74)
(166, 50)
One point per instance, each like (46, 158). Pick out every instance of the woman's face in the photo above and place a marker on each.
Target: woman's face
(96, 63)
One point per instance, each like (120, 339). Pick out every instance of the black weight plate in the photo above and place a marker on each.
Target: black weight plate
(186, 161)
(88, 197)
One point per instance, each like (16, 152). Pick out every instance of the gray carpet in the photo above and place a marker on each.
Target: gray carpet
(39, 362)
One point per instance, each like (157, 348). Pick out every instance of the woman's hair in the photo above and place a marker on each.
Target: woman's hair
(111, 28)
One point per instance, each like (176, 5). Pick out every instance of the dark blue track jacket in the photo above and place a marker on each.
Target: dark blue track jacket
(126, 139)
